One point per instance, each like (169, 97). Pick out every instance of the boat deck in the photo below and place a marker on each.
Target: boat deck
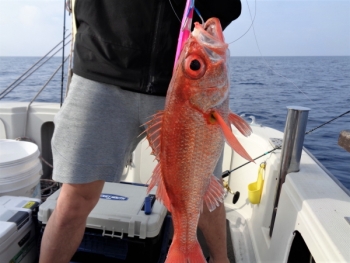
(88, 257)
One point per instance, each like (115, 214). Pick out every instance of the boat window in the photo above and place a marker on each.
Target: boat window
(46, 152)
(299, 252)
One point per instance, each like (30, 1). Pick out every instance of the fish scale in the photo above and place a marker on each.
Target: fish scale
(188, 137)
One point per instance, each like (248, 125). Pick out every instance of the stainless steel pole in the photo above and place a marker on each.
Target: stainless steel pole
(293, 141)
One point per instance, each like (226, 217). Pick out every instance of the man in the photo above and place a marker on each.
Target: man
(123, 61)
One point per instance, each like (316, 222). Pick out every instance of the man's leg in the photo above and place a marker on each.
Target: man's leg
(213, 227)
(65, 228)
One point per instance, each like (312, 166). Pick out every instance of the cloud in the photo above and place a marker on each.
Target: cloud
(292, 28)
(29, 16)
(30, 28)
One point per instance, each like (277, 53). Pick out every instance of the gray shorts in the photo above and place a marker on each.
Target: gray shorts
(97, 129)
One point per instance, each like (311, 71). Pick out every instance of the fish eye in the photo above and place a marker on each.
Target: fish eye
(194, 66)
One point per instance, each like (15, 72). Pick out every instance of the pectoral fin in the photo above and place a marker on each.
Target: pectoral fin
(230, 138)
(240, 124)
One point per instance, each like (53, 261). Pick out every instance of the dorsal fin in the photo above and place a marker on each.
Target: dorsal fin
(153, 131)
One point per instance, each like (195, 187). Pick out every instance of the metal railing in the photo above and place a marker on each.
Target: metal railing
(293, 141)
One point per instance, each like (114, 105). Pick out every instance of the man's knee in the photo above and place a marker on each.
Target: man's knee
(76, 201)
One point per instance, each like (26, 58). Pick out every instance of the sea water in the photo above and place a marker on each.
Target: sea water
(260, 86)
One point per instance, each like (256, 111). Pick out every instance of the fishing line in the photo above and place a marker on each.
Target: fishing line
(267, 64)
(228, 172)
(256, 41)
(174, 11)
(253, 20)
(199, 14)
(195, 9)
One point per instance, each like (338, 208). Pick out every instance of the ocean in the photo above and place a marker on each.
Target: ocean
(260, 86)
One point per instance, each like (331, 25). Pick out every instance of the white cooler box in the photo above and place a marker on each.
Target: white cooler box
(18, 235)
(119, 228)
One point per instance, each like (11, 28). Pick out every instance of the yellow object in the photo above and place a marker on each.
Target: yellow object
(225, 184)
(255, 189)
(29, 204)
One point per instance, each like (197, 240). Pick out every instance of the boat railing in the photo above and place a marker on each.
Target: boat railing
(33, 69)
(293, 141)
(29, 72)
(38, 93)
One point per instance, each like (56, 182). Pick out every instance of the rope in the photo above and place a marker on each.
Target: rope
(228, 172)
(48, 187)
(26, 139)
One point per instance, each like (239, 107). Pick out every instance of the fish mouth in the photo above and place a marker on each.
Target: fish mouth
(210, 36)
(213, 28)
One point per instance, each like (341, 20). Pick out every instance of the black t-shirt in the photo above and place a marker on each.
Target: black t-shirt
(132, 43)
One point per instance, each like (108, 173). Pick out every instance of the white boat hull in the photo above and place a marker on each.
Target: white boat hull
(312, 205)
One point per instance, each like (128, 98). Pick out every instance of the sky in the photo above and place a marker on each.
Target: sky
(281, 28)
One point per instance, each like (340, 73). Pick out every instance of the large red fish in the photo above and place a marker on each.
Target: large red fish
(188, 137)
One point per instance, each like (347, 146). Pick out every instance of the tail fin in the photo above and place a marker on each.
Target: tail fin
(176, 255)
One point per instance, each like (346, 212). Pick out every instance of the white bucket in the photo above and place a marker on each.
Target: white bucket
(20, 169)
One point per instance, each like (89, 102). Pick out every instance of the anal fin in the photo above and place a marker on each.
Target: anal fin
(161, 193)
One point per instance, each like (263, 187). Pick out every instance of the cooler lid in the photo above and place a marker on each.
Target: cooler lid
(7, 229)
(118, 212)
(15, 213)
(12, 219)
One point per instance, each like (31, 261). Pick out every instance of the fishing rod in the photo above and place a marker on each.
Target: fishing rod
(63, 44)
(228, 172)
